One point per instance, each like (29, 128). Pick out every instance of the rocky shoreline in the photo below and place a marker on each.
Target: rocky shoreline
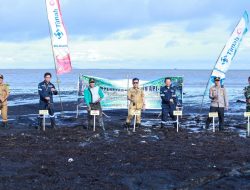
(73, 157)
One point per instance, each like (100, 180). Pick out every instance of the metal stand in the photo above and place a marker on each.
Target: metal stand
(213, 115)
(177, 123)
(178, 114)
(94, 124)
(213, 124)
(248, 127)
(134, 123)
(94, 113)
(43, 122)
(43, 113)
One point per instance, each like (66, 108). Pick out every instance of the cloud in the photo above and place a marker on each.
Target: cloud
(162, 46)
(123, 34)
(27, 20)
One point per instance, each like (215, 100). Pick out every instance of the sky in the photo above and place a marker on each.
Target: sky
(124, 34)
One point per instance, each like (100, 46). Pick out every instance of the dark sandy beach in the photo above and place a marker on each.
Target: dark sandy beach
(73, 157)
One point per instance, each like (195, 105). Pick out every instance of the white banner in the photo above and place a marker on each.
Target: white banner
(58, 37)
(230, 49)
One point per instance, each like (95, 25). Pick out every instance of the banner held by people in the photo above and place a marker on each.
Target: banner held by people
(116, 93)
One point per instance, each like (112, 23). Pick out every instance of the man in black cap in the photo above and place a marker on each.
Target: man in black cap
(93, 96)
(4, 94)
(46, 91)
(247, 95)
(219, 102)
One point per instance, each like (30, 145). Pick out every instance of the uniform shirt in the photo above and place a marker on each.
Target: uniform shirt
(44, 90)
(221, 99)
(136, 97)
(167, 94)
(4, 92)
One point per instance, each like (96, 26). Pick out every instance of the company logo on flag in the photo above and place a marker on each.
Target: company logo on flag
(230, 49)
(58, 37)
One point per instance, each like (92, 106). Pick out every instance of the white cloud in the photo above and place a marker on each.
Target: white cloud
(132, 47)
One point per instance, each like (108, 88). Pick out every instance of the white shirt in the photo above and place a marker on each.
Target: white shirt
(95, 95)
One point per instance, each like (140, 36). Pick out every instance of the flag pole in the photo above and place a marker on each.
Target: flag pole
(127, 92)
(57, 77)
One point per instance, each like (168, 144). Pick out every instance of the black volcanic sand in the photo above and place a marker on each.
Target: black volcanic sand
(73, 157)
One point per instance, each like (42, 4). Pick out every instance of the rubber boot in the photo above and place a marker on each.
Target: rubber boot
(5, 125)
(126, 125)
(53, 123)
(102, 125)
(40, 123)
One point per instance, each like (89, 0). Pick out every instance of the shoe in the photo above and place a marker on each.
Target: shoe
(54, 126)
(126, 125)
(221, 128)
(102, 126)
(137, 125)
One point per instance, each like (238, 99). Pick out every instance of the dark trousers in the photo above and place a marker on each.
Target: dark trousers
(220, 114)
(248, 107)
(50, 108)
(168, 110)
(95, 106)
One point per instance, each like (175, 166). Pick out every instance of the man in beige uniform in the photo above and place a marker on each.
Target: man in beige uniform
(4, 94)
(219, 102)
(136, 98)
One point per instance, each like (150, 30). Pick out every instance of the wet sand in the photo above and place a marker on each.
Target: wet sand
(73, 157)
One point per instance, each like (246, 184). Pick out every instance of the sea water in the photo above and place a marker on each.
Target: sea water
(24, 82)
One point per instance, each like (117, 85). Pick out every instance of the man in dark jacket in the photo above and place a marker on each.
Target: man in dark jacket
(169, 102)
(46, 91)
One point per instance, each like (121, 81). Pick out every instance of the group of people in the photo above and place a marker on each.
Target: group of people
(93, 96)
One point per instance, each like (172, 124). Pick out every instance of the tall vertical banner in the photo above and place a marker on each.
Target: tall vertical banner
(230, 49)
(59, 37)
(227, 54)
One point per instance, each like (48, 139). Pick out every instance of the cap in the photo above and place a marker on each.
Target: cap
(91, 80)
(216, 78)
(1, 76)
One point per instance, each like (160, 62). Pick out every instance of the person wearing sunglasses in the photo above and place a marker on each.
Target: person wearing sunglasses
(169, 102)
(137, 102)
(93, 96)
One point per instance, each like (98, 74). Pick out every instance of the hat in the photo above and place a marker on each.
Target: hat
(1, 76)
(216, 78)
(91, 80)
